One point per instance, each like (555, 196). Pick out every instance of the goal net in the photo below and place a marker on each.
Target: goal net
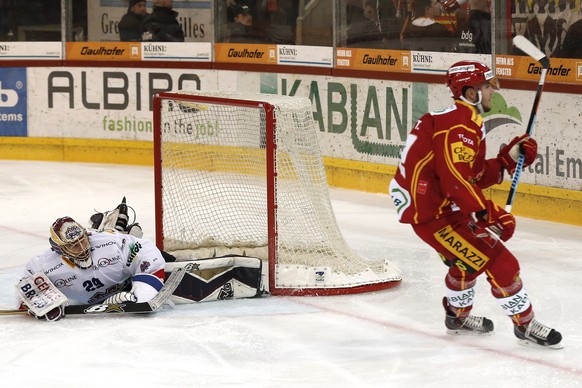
(242, 173)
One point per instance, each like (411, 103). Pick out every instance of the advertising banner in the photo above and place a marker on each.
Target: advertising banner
(401, 61)
(182, 51)
(245, 53)
(526, 68)
(434, 62)
(13, 102)
(31, 50)
(369, 121)
(104, 51)
(372, 59)
(103, 103)
(305, 55)
(361, 120)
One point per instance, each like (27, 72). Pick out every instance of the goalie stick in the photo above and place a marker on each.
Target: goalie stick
(527, 47)
(144, 307)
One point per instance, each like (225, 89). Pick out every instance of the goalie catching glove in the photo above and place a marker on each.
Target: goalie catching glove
(509, 154)
(497, 220)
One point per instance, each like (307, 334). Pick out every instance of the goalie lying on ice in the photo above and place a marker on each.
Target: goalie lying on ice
(110, 263)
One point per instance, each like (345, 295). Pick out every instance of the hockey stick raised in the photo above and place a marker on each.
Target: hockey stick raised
(144, 307)
(527, 47)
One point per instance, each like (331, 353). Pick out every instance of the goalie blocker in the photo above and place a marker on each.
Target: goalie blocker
(217, 278)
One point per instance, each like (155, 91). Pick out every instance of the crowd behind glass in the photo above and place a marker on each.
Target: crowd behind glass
(464, 26)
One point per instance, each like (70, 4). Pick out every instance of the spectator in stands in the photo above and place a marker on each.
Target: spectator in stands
(162, 24)
(479, 22)
(130, 25)
(244, 30)
(572, 45)
(462, 29)
(421, 32)
(364, 25)
(391, 21)
(281, 18)
(6, 21)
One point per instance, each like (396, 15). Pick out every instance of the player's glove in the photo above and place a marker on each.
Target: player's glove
(53, 315)
(496, 220)
(451, 5)
(121, 297)
(509, 154)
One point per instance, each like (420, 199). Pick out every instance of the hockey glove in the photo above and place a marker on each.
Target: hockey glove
(451, 5)
(53, 315)
(509, 155)
(121, 297)
(496, 220)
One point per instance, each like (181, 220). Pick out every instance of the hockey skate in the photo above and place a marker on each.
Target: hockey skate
(538, 334)
(470, 325)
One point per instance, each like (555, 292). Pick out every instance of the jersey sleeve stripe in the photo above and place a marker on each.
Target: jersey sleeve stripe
(415, 178)
(152, 280)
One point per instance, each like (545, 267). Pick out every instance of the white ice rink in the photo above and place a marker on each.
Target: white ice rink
(393, 338)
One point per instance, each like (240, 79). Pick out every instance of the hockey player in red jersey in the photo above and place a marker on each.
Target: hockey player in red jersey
(438, 190)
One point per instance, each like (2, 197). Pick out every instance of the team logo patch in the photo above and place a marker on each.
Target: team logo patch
(422, 185)
(72, 232)
(226, 292)
(144, 266)
(105, 308)
(462, 153)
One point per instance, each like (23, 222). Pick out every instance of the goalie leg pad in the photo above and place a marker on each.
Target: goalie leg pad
(218, 278)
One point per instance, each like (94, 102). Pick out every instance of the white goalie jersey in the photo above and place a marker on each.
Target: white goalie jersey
(116, 257)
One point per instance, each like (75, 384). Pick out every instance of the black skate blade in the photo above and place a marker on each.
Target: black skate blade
(469, 333)
(531, 344)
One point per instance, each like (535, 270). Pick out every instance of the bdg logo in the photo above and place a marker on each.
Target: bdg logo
(13, 102)
(8, 97)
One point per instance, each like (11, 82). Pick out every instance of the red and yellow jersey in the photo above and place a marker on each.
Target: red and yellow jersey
(443, 167)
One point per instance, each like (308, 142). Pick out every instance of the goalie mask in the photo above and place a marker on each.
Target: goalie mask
(70, 239)
(469, 74)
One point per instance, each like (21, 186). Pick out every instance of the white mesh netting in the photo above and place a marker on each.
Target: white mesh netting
(214, 190)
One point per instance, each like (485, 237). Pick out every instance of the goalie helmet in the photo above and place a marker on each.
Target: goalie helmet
(70, 239)
(464, 74)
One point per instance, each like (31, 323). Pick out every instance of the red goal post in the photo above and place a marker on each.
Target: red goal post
(242, 173)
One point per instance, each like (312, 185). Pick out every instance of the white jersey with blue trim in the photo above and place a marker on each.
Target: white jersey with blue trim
(117, 258)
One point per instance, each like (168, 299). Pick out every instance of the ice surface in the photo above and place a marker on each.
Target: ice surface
(393, 338)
